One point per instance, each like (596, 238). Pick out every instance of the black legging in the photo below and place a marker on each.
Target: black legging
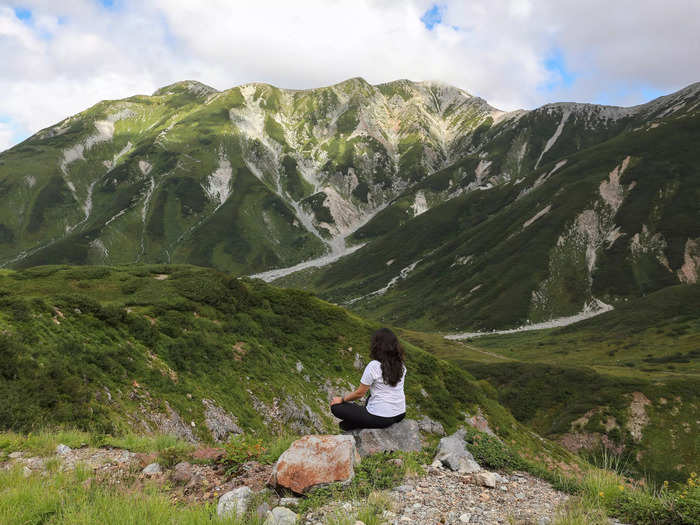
(354, 416)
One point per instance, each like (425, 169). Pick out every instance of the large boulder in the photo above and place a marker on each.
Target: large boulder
(404, 436)
(452, 453)
(316, 460)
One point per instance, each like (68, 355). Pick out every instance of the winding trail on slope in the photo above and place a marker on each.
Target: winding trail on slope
(324, 260)
(596, 308)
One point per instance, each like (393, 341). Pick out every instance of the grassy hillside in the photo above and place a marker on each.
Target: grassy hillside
(629, 377)
(151, 348)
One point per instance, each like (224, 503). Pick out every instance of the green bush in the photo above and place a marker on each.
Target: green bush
(491, 452)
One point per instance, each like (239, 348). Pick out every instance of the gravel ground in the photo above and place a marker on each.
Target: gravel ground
(445, 497)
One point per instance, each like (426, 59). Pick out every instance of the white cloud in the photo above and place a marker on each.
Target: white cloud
(7, 136)
(74, 53)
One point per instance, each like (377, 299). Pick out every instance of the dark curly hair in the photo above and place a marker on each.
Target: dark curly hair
(386, 349)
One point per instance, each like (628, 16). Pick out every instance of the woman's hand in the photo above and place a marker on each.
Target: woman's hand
(336, 400)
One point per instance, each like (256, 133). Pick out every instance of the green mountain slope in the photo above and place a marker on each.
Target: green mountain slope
(246, 179)
(505, 218)
(626, 381)
(595, 221)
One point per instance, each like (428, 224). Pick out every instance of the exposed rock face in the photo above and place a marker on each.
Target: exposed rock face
(454, 455)
(403, 436)
(316, 460)
(234, 503)
(638, 418)
(299, 417)
(219, 422)
(431, 426)
(280, 516)
(479, 422)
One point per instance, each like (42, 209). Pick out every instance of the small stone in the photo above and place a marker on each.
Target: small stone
(403, 489)
(397, 462)
(486, 479)
(16, 455)
(235, 502)
(347, 507)
(464, 518)
(281, 516)
(358, 522)
(62, 449)
(289, 502)
(26, 472)
(504, 488)
(152, 469)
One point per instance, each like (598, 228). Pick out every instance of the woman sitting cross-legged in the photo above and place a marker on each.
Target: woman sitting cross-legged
(383, 377)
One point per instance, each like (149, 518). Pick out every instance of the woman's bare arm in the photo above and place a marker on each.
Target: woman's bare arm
(352, 396)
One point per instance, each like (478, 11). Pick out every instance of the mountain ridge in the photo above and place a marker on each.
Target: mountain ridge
(257, 178)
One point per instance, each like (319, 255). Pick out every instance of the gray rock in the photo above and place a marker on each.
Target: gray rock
(453, 453)
(234, 503)
(465, 517)
(431, 426)
(262, 510)
(16, 455)
(486, 479)
(220, 423)
(62, 449)
(403, 436)
(289, 502)
(182, 473)
(358, 364)
(281, 516)
(152, 469)
(26, 471)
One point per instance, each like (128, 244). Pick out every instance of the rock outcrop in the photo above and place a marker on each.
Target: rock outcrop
(316, 460)
(453, 454)
(220, 423)
(404, 436)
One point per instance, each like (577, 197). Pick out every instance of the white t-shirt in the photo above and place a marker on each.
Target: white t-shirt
(385, 400)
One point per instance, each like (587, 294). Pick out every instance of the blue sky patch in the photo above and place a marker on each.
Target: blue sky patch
(433, 16)
(23, 13)
(556, 63)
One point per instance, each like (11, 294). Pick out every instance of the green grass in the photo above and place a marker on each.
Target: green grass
(69, 498)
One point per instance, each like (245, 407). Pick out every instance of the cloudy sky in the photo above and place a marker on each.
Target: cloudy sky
(58, 57)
